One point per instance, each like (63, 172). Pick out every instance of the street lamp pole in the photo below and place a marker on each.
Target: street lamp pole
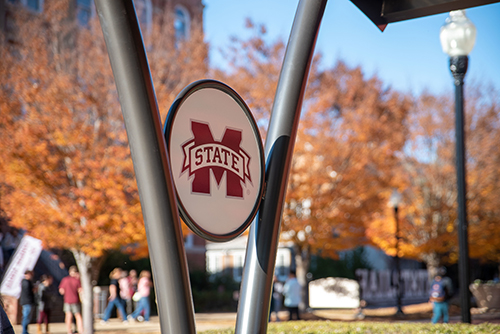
(458, 66)
(394, 202)
(458, 36)
(398, 265)
(463, 243)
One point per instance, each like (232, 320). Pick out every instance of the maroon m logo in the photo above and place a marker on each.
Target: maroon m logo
(203, 154)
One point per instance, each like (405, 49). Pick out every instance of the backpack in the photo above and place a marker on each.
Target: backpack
(438, 291)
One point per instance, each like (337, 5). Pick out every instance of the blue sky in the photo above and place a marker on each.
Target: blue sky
(406, 56)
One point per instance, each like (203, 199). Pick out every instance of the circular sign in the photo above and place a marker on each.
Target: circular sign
(217, 160)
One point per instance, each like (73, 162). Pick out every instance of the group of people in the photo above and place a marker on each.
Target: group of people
(42, 296)
(125, 291)
(129, 295)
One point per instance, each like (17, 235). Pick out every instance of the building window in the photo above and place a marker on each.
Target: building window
(182, 23)
(281, 269)
(237, 267)
(83, 11)
(283, 263)
(144, 10)
(34, 5)
(189, 241)
(214, 264)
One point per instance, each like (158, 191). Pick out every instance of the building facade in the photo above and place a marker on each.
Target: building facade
(186, 13)
(228, 259)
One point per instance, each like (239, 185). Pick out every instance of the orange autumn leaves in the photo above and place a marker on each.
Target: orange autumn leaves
(68, 178)
(350, 132)
(67, 174)
(427, 178)
(358, 140)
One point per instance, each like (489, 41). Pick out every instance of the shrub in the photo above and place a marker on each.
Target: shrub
(214, 301)
(213, 294)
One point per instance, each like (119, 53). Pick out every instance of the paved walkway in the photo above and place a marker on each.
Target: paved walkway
(214, 321)
(204, 322)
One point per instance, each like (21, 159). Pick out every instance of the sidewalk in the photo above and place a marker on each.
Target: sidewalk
(412, 313)
(204, 322)
(215, 321)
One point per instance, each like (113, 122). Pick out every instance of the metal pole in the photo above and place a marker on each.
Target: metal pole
(142, 120)
(458, 67)
(398, 265)
(263, 238)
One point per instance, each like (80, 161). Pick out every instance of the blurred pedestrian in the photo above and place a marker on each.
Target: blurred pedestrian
(71, 287)
(114, 298)
(144, 289)
(292, 290)
(125, 292)
(46, 295)
(10, 241)
(441, 292)
(27, 299)
(276, 298)
(133, 280)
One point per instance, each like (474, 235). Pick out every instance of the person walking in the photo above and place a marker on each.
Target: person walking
(441, 292)
(144, 289)
(114, 298)
(27, 299)
(292, 290)
(133, 280)
(276, 298)
(45, 297)
(126, 291)
(70, 288)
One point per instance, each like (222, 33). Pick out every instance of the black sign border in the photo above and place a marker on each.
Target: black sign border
(167, 130)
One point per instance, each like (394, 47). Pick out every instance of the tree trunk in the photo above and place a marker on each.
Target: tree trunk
(84, 263)
(302, 260)
(433, 263)
(96, 267)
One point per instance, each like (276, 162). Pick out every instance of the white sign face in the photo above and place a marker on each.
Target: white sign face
(216, 157)
(24, 258)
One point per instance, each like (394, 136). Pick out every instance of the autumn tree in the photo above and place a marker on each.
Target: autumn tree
(252, 69)
(66, 165)
(425, 177)
(427, 173)
(350, 133)
(348, 141)
(483, 172)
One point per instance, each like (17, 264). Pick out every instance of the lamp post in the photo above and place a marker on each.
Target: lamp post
(394, 202)
(458, 36)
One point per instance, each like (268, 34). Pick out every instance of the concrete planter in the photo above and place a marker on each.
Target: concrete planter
(486, 294)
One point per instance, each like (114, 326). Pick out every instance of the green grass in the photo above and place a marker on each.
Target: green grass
(327, 327)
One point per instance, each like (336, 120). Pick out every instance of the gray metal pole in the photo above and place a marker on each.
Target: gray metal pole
(262, 246)
(458, 67)
(142, 120)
